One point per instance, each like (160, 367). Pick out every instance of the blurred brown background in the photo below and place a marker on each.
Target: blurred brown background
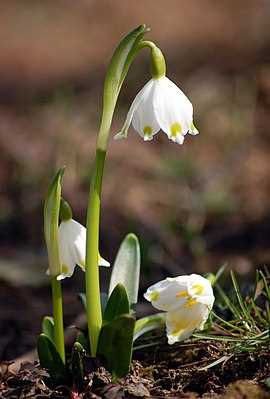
(193, 207)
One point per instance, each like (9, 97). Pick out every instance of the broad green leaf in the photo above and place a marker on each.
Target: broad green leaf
(51, 221)
(50, 359)
(48, 327)
(117, 304)
(77, 367)
(115, 344)
(148, 323)
(126, 268)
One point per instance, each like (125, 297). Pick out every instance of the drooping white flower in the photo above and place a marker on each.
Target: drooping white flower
(187, 300)
(160, 105)
(72, 248)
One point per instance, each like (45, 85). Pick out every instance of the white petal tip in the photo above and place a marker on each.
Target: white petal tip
(147, 138)
(120, 136)
(193, 130)
(61, 277)
(178, 139)
(104, 263)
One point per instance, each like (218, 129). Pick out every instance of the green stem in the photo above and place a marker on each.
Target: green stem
(58, 317)
(121, 60)
(94, 315)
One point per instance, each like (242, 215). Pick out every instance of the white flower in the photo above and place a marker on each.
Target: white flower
(72, 248)
(187, 300)
(160, 105)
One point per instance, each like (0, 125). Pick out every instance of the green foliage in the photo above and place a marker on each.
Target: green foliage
(48, 327)
(126, 268)
(83, 340)
(148, 323)
(246, 328)
(117, 305)
(77, 366)
(50, 359)
(51, 221)
(115, 344)
(120, 63)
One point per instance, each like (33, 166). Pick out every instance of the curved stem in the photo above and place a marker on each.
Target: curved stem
(158, 64)
(117, 70)
(94, 315)
(58, 317)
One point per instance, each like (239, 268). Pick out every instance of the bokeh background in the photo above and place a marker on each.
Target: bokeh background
(194, 207)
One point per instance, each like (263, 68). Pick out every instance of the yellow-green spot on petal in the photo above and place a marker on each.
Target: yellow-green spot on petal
(154, 296)
(65, 269)
(181, 294)
(175, 129)
(198, 289)
(148, 130)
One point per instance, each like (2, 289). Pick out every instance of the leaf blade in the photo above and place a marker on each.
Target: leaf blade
(126, 268)
(115, 344)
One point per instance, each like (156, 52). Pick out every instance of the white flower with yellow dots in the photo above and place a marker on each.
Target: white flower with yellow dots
(72, 248)
(187, 300)
(160, 105)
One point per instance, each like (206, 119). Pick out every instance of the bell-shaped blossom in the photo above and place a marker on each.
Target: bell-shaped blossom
(160, 105)
(72, 248)
(187, 300)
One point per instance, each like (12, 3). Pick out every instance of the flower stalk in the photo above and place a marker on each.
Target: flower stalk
(94, 315)
(158, 64)
(117, 70)
(58, 317)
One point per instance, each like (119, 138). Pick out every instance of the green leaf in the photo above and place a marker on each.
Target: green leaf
(51, 221)
(126, 268)
(115, 344)
(121, 60)
(117, 304)
(77, 367)
(48, 327)
(148, 323)
(50, 359)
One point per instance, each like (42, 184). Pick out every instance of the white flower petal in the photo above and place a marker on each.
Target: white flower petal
(72, 247)
(103, 262)
(141, 96)
(144, 119)
(187, 299)
(174, 111)
(168, 294)
(181, 323)
(200, 288)
(193, 130)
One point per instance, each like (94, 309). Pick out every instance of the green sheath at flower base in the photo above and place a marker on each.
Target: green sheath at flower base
(65, 212)
(51, 221)
(158, 64)
(117, 70)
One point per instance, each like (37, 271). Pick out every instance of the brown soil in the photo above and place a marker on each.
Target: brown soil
(165, 372)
